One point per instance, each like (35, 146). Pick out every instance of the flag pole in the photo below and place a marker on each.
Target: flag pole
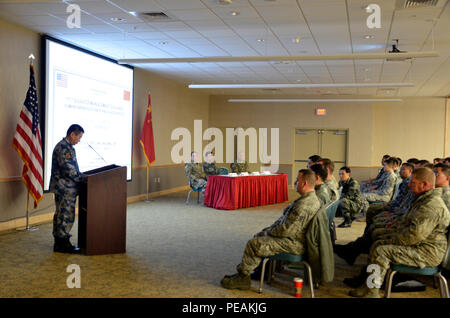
(148, 172)
(27, 226)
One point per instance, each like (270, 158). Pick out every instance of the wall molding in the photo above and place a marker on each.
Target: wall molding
(48, 217)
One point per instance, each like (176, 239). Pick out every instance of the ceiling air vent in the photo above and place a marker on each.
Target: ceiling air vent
(407, 4)
(155, 16)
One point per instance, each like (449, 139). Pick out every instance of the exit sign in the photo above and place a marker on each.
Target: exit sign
(321, 111)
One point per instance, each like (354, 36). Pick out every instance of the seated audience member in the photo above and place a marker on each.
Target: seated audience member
(209, 166)
(323, 192)
(313, 160)
(351, 201)
(331, 181)
(240, 165)
(422, 163)
(194, 171)
(365, 185)
(397, 165)
(384, 191)
(442, 173)
(286, 235)
(447, 161)
(437, 160)
(413, 161)
(421, 241)
(400, 203)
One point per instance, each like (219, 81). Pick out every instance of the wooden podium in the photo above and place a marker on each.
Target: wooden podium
(102, 213)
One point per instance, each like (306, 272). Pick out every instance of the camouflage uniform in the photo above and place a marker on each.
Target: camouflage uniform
(334, 192)
(197, 177)
(210, 169)
(351, 201)
(238, 167)
(323, 194)
(421, 241)
(64, 183)
(286, 235)
(384, 191)
(365, 186)
(399, 206)
(446, 196)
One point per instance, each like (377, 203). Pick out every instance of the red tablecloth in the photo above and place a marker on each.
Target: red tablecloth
(230, 193)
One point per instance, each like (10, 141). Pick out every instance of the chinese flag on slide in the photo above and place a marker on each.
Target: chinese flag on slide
(147, 140)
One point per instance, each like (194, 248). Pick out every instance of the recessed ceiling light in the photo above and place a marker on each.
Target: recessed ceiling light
(234, 13)
(225, 1)
(260, 40)
(116, 19)
(369, 37)
(296, 40)
(163, 42)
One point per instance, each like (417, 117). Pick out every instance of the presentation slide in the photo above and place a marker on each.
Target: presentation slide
(98, 95)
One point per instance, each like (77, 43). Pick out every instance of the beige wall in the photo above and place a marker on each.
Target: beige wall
(356, 117)
(172, 106)
(412, 128)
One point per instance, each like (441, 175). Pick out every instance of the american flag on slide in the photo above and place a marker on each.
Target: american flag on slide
(27, 141)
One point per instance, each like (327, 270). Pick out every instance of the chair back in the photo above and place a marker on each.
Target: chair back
(395, 193)
(446, 261)
(223, 171)
(331, 210)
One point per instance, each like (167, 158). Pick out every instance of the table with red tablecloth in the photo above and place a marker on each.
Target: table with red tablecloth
(231, 193)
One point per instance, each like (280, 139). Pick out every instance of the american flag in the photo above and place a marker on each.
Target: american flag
(27, 141)
(61, 80)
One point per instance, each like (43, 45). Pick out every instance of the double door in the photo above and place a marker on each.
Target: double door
(327, 143)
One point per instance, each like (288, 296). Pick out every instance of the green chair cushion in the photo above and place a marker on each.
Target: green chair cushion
(287, 257)
(415, 270)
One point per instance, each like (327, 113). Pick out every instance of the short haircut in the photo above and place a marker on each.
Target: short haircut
(414, 161)
(425, 174)
(423, 162)
(75, 128)
(315, 158)
(408, 165)
(396, 161)
(328, 164)
(386, 157)
(346, 169)
(428, 165)
(309, 176)
(390, 161)
(445, 169)
(399, 161)
(447, 159)
(437, 159)
(320, 171)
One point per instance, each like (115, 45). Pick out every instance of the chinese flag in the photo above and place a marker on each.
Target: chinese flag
(147, 141)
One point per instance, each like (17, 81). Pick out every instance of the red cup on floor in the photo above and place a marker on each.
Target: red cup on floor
(298, 285)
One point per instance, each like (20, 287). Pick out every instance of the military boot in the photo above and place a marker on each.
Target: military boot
(365, 292)
(236, 281)
(347, 221)
(358, 280)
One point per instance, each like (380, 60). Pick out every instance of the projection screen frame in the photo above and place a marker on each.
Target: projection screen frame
(43, 90)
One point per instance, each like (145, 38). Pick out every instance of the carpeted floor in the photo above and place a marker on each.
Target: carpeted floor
(173, 250)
